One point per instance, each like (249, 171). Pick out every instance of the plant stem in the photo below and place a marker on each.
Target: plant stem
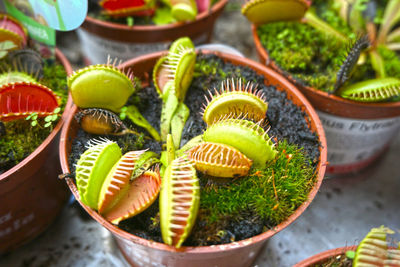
(378, 64)
(312, 20)
(134, 115)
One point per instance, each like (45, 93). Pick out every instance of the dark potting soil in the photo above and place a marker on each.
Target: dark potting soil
(287, 121)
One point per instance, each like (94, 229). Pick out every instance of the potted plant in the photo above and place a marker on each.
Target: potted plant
(133, 35)
(231, 224)
(312, 53)
(30, 193)
(374, 250)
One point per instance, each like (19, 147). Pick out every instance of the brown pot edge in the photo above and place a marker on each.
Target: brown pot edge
(317, 258)
(206, 249)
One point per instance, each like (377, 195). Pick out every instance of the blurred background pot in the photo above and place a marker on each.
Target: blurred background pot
(324, 256)
(31, 195)
(142, 252)
(101, 38)
(357, 133)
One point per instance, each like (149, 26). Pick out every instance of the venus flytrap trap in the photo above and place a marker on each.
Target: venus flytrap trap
(373, 250)
(104, 181)
(179, 201)
(265, 11)
(19, 99)
(235, 98)
(127, 8)
(105, 87)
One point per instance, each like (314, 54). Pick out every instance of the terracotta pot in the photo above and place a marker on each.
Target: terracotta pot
(142, 252)
(324, 256)
(31, 195)
(357, 133)
(100, 38)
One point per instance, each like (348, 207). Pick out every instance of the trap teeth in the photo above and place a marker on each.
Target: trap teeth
(219, 160)
(235, 98)
(140, 194)
(117, 181)
(20, 99)
(92, 169)
(266, 11)
(100, 86)
(179, 201)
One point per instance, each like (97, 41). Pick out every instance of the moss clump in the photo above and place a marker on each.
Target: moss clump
(272, 193)
(308, 54)
(21, 137)
(312, 57)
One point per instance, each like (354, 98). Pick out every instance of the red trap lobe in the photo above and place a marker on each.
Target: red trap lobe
(18, 100)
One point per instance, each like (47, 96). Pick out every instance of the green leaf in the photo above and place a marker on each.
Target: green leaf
(48, 118)
(163, 16)
(350, 254)
(34, 123)
(377, 64)
(170, 104)
(313, 20)
(54, 117)
(47, 124)
(390, 18)
(129, 21)
(3, 54)
(178, 123)
(7, 45)
(35, 116)
(134, 115)
(170, 149)
(57, 110)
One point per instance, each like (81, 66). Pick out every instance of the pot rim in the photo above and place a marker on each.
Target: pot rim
(317, 258)
(224, 247)
(144, 28)
(9, 173)
(324, 96)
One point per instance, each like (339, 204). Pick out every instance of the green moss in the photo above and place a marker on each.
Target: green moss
(21, 138)
(272, 193)
(308, 54)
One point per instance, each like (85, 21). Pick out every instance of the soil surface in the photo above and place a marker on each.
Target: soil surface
(287, 121)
